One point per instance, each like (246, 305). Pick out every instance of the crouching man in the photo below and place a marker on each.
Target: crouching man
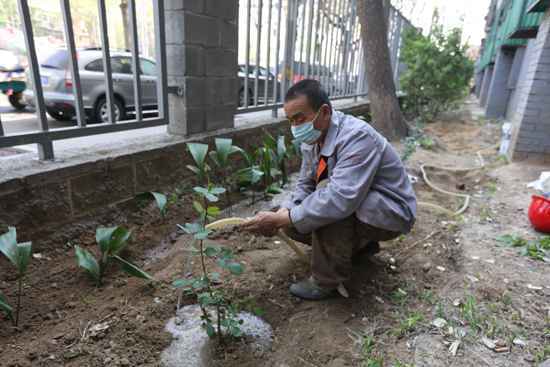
(352, 192)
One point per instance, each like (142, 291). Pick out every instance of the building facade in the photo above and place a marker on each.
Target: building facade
(513, 74)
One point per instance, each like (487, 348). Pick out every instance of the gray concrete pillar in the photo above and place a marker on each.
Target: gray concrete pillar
(201, 50)
(485, 84)
(478, 81)
(499, 90)
(532, 120)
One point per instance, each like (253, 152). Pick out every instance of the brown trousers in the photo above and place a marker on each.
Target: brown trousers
(334, 246)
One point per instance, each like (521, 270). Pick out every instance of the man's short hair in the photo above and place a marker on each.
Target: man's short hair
(313, 90)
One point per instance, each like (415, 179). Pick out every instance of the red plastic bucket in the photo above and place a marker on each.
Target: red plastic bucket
(539, 213)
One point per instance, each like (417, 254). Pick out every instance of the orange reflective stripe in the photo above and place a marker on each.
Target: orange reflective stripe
(321, 168)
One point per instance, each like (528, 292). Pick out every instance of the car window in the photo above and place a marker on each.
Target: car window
(121, 65)
(96, 65)
(57, 59)
(148, 67)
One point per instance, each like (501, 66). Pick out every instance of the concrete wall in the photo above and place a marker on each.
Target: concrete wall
(532, 119)
(499, 91)
(516, 80)
(201, 37)
(485, 84)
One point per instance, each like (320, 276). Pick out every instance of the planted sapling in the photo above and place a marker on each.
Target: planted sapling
(111, 242)
(19, 254)
(202, 286)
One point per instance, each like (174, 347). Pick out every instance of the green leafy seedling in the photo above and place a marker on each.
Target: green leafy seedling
(281, 154)
(201, 286)
(111, 241)
(512, 240)
(19, 254)
(220, 157)
(160, 199)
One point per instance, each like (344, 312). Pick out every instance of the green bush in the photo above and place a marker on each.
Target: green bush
(438, 72)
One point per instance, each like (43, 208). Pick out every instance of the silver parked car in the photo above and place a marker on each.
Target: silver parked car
(58, 88)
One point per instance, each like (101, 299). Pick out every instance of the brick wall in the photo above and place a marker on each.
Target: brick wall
(532, 118)
(201, 38)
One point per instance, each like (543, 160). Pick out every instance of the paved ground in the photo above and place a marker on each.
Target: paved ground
(15, 122)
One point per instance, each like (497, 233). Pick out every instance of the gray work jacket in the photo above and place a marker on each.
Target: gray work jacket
(365, 177)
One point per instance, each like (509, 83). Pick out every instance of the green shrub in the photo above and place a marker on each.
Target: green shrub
(438, 71)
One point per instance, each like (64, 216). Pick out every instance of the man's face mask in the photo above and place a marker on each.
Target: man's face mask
(306, 132)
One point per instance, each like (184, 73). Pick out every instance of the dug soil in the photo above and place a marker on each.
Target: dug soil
(451, 270)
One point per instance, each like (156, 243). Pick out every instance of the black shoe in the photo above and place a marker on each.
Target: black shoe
(372, 249)
(309, 289)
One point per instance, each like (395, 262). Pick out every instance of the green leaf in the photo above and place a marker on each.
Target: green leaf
(19, 254)
(206, 193)
(213, 211)
(103, 237)
(198, 207)
(194, 169)
(24, 251)
(88, 262)
(199, 152)
(132, 269)
(119, 240)
(160, 199)
(545, 243)
(210, 331)
(235, 331)
(190, 228)
(217, 190)
(202, 235)
(224, 147)
(182, 283)
(4, 306)
(235, 268)
(274, 189)
(212, 251)
(8, 245)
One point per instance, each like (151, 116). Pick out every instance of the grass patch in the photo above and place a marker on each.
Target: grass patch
(408, 324)
(368, 354)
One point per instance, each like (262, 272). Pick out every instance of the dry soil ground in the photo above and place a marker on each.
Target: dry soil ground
(450, 269)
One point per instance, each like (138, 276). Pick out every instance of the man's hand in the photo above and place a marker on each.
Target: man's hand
(268, 223)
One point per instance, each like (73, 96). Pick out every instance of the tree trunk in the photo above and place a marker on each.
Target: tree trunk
(125, 23)
(384, 105)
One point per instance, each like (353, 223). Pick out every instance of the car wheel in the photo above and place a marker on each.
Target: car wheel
(101, 113)
(59, 116)
(16, 100)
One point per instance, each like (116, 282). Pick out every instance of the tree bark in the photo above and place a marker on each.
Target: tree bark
(125, 23)
(386, 113)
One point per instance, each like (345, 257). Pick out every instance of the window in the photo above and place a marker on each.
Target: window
(121, 65)
(96, 65)
(148, 67)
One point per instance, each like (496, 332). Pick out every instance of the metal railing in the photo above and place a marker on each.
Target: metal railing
(320, 39)
(45, 136)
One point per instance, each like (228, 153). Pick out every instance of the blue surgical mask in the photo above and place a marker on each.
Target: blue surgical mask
(306, 132)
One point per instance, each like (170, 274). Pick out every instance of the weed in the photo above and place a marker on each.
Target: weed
(368, 355)
(512, 240)
(402, 364)
(491, 188)
(111, 241)
(19, 254)
(470, 313)
(439, 310)
(408, 324)
(399, 297)
(543, 354)
(428, 296)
